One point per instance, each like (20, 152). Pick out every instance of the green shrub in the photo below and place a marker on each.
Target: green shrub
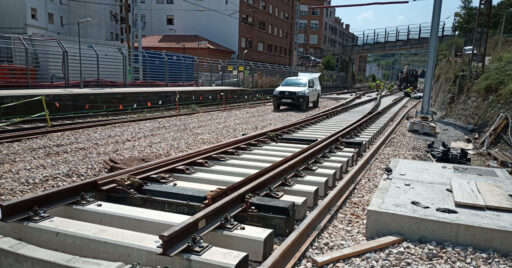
(497, 77)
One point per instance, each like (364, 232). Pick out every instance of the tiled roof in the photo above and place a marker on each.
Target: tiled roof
(180, 41)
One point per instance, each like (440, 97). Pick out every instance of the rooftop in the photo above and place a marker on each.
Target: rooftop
(181, 41)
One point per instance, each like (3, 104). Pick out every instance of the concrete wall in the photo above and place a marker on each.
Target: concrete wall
(12, 16)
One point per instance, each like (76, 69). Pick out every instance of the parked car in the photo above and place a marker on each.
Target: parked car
(308, 61)
(299, 91)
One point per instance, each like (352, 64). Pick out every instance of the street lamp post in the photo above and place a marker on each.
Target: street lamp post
(86, 20)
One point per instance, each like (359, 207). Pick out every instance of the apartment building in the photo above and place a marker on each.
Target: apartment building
(216, 20)
(266, 31)
(319, 31)
(59, 17)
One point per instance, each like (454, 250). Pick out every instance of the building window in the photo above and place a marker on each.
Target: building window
(282, 14)
(250, 21)
(243, 42)
(249, 43)
(270, 9)
(117, 37)
(314, 25)
(261, 25)
(169, 2)
(263, 5)
(160, 2)
(300, 38)
(280, 32)
(260, 46)
(50, 18)
(275, 49)
(142, 1)
(313, 39)
(303, 10)
(325, 39)
(33, 13)
(111, 36)
(300, 50)
(280, 50)
(277, 11)
(325, 26)
(275, 31)
(302, 24)
(269, 48)
(285, 51)
(286, 16)
(61, 21)
(170, 20)
(315, 12)
(270, 29)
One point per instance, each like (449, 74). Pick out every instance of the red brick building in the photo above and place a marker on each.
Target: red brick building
(266, 31)
(319, 30)
(195, 45)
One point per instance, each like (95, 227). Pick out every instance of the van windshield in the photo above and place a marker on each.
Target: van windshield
(294, 82)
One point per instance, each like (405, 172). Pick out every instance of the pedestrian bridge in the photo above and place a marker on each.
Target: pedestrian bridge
(399, 38)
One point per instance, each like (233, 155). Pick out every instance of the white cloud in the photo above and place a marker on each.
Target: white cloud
(366, 16)
(400, 18)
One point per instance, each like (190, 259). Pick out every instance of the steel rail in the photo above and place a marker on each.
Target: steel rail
(297, 242)
(20, 208)
(27, 134)
(13, 135)
(175, 238)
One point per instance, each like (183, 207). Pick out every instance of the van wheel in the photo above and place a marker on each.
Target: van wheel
(315, 103)
(277, 106)
(304, 105)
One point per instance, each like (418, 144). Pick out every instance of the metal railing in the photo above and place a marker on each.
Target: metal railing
(400, 33)
(27, 62)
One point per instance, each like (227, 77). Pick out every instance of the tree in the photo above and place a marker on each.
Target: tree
(329, 63)
(465, 18)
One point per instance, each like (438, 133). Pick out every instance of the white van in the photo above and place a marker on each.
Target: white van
(299, 91)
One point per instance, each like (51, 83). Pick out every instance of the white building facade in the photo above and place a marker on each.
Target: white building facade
(216, 20)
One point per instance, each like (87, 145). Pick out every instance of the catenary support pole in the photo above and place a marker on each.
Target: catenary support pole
(431, 59)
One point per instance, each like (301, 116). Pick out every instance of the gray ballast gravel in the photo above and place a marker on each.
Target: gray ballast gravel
(34, 165)
(347, 226)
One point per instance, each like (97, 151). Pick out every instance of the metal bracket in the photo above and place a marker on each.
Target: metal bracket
(272, 193)
(160, 178)
(318, 160)
(85, 200)
(244, 147)
(38, 215)
(299, 173)
(203, 163)
(217, 157)
(326, 155)
(288, 181)
(228, 223)
(232, 152)
(255, 144)
(309, 166)
(197, 246)
(183, 170)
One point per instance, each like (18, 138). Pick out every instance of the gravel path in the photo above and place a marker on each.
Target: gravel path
(35, 165)
(347, 226)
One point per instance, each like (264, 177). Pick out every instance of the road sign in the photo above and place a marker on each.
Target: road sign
(230, 67)
(240, 68)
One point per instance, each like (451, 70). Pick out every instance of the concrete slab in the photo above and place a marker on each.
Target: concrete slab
(113, 244)
(391, 211)
(256, 241)
(18, 254)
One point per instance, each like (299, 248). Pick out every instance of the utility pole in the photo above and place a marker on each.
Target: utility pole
(431, 59)
(502, 27)
(127, 28)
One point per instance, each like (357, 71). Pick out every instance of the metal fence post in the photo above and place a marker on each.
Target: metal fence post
(97, 64)
(123, 56)
(419, 34)
(65, 62)
(397, 33)
(147, 66)
(408, 31)
(182, 70)
(166, 69)
(211, 72)
(26, 62)
(222, 75)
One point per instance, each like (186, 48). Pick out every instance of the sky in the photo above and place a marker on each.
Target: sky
(381, 16)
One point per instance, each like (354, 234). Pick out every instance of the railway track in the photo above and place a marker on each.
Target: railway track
(222, 206)
(21, 133)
